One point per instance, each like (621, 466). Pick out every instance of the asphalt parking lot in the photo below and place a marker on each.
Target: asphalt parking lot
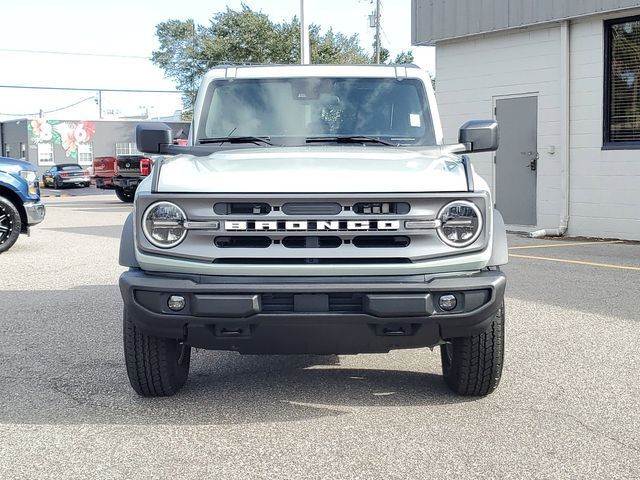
(567, 406)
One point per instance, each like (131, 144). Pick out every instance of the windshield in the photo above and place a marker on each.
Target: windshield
(69, 168)
(385, 108)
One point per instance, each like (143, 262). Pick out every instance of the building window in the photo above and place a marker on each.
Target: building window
(126, 149)
(85, 153)
(45, 154)
(622, 83)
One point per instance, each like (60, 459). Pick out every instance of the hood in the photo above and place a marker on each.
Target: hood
(317, 169)
(13, 165)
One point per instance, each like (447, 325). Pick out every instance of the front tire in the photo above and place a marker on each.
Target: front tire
(10, 224)
(125, 196)
(472, 366)
(156, 366)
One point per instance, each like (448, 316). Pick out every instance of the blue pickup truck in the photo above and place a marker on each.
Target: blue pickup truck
(20, 205)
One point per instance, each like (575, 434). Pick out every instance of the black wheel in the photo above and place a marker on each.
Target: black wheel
(57, 184)
(472, 366)
(156, 366)
(125, 196)
(87, 184)
(10, 224)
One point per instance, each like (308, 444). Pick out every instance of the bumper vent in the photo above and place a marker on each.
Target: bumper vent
(336, 302)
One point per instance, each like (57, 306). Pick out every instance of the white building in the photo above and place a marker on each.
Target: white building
(563, 80)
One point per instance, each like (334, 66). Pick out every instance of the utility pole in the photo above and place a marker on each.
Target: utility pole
(305, 47)
(100, 104)
(377, 31)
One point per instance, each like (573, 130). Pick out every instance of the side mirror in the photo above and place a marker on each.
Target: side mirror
(151, 136)
(479, 136)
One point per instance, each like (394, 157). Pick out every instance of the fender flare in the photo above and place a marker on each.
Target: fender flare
(128, 245)
(500, 249)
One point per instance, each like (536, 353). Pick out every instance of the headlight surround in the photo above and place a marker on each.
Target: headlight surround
(32, 180)
(163, 224)
(29, 175)
(460, 223)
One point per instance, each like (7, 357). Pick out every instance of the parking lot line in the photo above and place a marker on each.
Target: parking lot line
(578, 262)
(564, 244)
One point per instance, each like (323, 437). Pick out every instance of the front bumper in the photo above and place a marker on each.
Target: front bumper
(35, 212)
(312, 315)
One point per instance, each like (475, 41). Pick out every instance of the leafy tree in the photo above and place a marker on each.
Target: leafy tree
(187, 51)
(404, 57)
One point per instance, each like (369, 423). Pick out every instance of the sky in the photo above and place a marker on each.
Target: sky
(108, 45)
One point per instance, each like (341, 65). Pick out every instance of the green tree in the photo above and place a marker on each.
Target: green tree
(404, 57)
(187, 51)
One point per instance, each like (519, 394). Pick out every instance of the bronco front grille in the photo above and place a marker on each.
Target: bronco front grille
(272, 229)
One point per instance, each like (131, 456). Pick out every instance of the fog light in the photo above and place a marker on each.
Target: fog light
(448, 302)
(176, 303)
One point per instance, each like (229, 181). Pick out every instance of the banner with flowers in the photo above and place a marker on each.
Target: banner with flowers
(67, 134)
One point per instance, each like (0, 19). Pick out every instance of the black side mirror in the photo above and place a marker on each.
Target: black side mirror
(152, 136)
(480, 136)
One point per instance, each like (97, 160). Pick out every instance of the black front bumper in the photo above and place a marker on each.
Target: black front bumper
(311, 315)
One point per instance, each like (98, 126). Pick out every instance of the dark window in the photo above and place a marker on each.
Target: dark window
(622, 83)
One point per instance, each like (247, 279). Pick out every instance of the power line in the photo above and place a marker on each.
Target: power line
(48, 111)
(78, 54)
(76, 89)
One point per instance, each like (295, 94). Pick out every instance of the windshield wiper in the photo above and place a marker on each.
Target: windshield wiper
(350, 139)
(238, 139)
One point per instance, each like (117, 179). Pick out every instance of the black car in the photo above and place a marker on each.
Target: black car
(66, 174)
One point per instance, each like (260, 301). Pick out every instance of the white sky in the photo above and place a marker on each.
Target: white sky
(127, 28)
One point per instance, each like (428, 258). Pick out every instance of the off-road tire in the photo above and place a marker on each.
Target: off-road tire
(125, 196)
(472, 366)
(10, 224)
(156, 366)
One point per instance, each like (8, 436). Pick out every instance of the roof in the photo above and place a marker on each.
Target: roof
(436, 20)
(314, 70)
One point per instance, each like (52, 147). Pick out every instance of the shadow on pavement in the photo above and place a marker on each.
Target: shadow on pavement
(62, 364)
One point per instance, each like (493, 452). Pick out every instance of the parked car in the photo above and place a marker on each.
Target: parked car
(20, 205)
(122, 174)
(66, 174)
(333, 219)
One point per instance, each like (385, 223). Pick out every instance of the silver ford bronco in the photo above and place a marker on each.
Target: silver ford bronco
(314, 210)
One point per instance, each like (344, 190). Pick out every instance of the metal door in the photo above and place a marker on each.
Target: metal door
(517, 159)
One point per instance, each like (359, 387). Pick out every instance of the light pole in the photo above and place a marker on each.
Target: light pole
(305, 48)
(377, 31)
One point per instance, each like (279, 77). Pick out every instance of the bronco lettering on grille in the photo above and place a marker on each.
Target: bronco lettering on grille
(310, 225)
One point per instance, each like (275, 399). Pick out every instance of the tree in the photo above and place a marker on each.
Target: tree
(404, 57)
(187, 51)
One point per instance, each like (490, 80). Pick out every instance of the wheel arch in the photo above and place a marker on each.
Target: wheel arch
(500, 249)
(127, 244)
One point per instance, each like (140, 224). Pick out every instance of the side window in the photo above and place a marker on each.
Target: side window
(85, 153)
(126, 148)
(622, 83)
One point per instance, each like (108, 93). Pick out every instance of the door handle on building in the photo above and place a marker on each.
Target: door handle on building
(533, 163)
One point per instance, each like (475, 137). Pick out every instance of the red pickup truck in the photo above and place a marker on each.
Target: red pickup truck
(122, 173)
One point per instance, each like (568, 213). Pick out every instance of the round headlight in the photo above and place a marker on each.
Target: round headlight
(163, 224)
(460, 223)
